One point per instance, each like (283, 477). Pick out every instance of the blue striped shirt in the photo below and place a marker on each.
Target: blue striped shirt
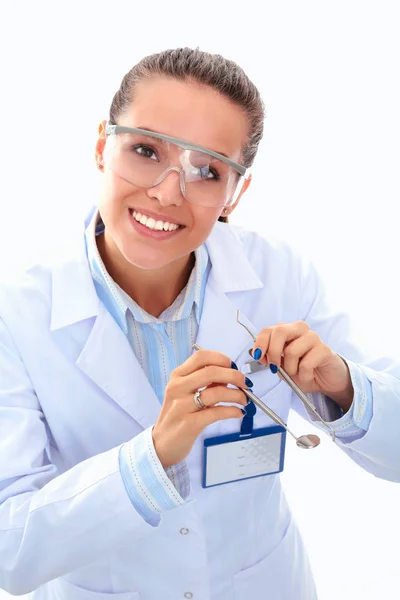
(160, 345)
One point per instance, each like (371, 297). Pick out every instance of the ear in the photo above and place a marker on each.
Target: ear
(233, 206)
(100, 144)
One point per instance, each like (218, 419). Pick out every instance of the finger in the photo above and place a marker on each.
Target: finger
(281, 335)
(214, 395)
(261, 344)
(277, 335)
(311, 361)
(203, 418)
(202, 358)
(295, 350)
(225, 385)
(213, 374)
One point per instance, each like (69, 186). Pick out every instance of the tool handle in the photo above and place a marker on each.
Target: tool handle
(268, 411)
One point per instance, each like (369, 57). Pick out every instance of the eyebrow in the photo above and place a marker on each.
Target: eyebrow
(152, 131)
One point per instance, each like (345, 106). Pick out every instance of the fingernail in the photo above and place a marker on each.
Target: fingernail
(273, 368)
(257, 353)
(243, 411)
(234, 366)
(249, 382)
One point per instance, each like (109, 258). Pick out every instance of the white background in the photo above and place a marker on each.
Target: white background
(326, 180)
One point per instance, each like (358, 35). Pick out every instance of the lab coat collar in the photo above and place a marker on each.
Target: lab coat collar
(74, 294)
(231, 270)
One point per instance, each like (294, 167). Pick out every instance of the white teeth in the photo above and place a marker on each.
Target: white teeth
(150, 223)
(153, 224)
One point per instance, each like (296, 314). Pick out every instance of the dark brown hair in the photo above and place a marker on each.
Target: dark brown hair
(213, 70)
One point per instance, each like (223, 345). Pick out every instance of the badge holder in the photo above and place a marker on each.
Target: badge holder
(244, 455)
(236, 456)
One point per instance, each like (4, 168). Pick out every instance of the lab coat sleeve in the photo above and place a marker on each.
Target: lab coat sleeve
(151, 489)
(51, 523)
(376, 406)
(353, 424)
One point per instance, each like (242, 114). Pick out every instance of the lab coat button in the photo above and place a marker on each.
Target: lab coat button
(185, 531)
(188, 595)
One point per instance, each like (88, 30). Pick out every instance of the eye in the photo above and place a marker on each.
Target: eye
(208, 173)
(145, 151)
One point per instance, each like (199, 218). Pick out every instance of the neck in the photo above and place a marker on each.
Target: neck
(153, 290)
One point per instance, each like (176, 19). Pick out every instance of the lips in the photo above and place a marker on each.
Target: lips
(154, 234)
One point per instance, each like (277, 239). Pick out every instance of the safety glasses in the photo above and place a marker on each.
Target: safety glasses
(145, 158)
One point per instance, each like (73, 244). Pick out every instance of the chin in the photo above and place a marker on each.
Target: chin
(146, 260)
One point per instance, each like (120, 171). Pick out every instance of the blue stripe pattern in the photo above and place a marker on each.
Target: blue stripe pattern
(353, 424)
(160, 345)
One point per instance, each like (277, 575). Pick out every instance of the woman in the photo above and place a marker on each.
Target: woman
(107, 412)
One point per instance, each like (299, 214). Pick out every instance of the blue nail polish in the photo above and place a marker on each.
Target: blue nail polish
(257, 353)
(234, 366)
(243, 411)
(273, 368)
(249, 382)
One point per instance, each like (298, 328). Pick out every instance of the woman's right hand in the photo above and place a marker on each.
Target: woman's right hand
(180, 421)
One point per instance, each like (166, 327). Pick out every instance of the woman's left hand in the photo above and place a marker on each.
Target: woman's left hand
(309, 362)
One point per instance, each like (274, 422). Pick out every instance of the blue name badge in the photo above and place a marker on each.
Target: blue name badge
(236, 456)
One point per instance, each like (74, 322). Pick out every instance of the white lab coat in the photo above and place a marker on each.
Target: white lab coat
(72, 391)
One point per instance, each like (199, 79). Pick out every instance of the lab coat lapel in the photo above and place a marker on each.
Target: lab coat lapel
(231, 277)
(108, 359)
(106, 356)
(218, 328)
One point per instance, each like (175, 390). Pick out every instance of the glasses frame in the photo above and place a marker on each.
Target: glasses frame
(116, 129)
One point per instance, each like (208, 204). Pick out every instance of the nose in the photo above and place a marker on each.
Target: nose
(168, 188)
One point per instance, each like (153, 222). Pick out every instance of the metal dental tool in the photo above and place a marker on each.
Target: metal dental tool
(304, 441)
(292, 384)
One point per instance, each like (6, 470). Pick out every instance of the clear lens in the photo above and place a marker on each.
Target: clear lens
(144, 161)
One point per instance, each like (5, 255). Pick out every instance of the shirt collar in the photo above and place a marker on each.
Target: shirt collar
(121, 303)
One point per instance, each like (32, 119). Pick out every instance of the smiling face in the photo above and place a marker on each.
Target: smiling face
(185, 110)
